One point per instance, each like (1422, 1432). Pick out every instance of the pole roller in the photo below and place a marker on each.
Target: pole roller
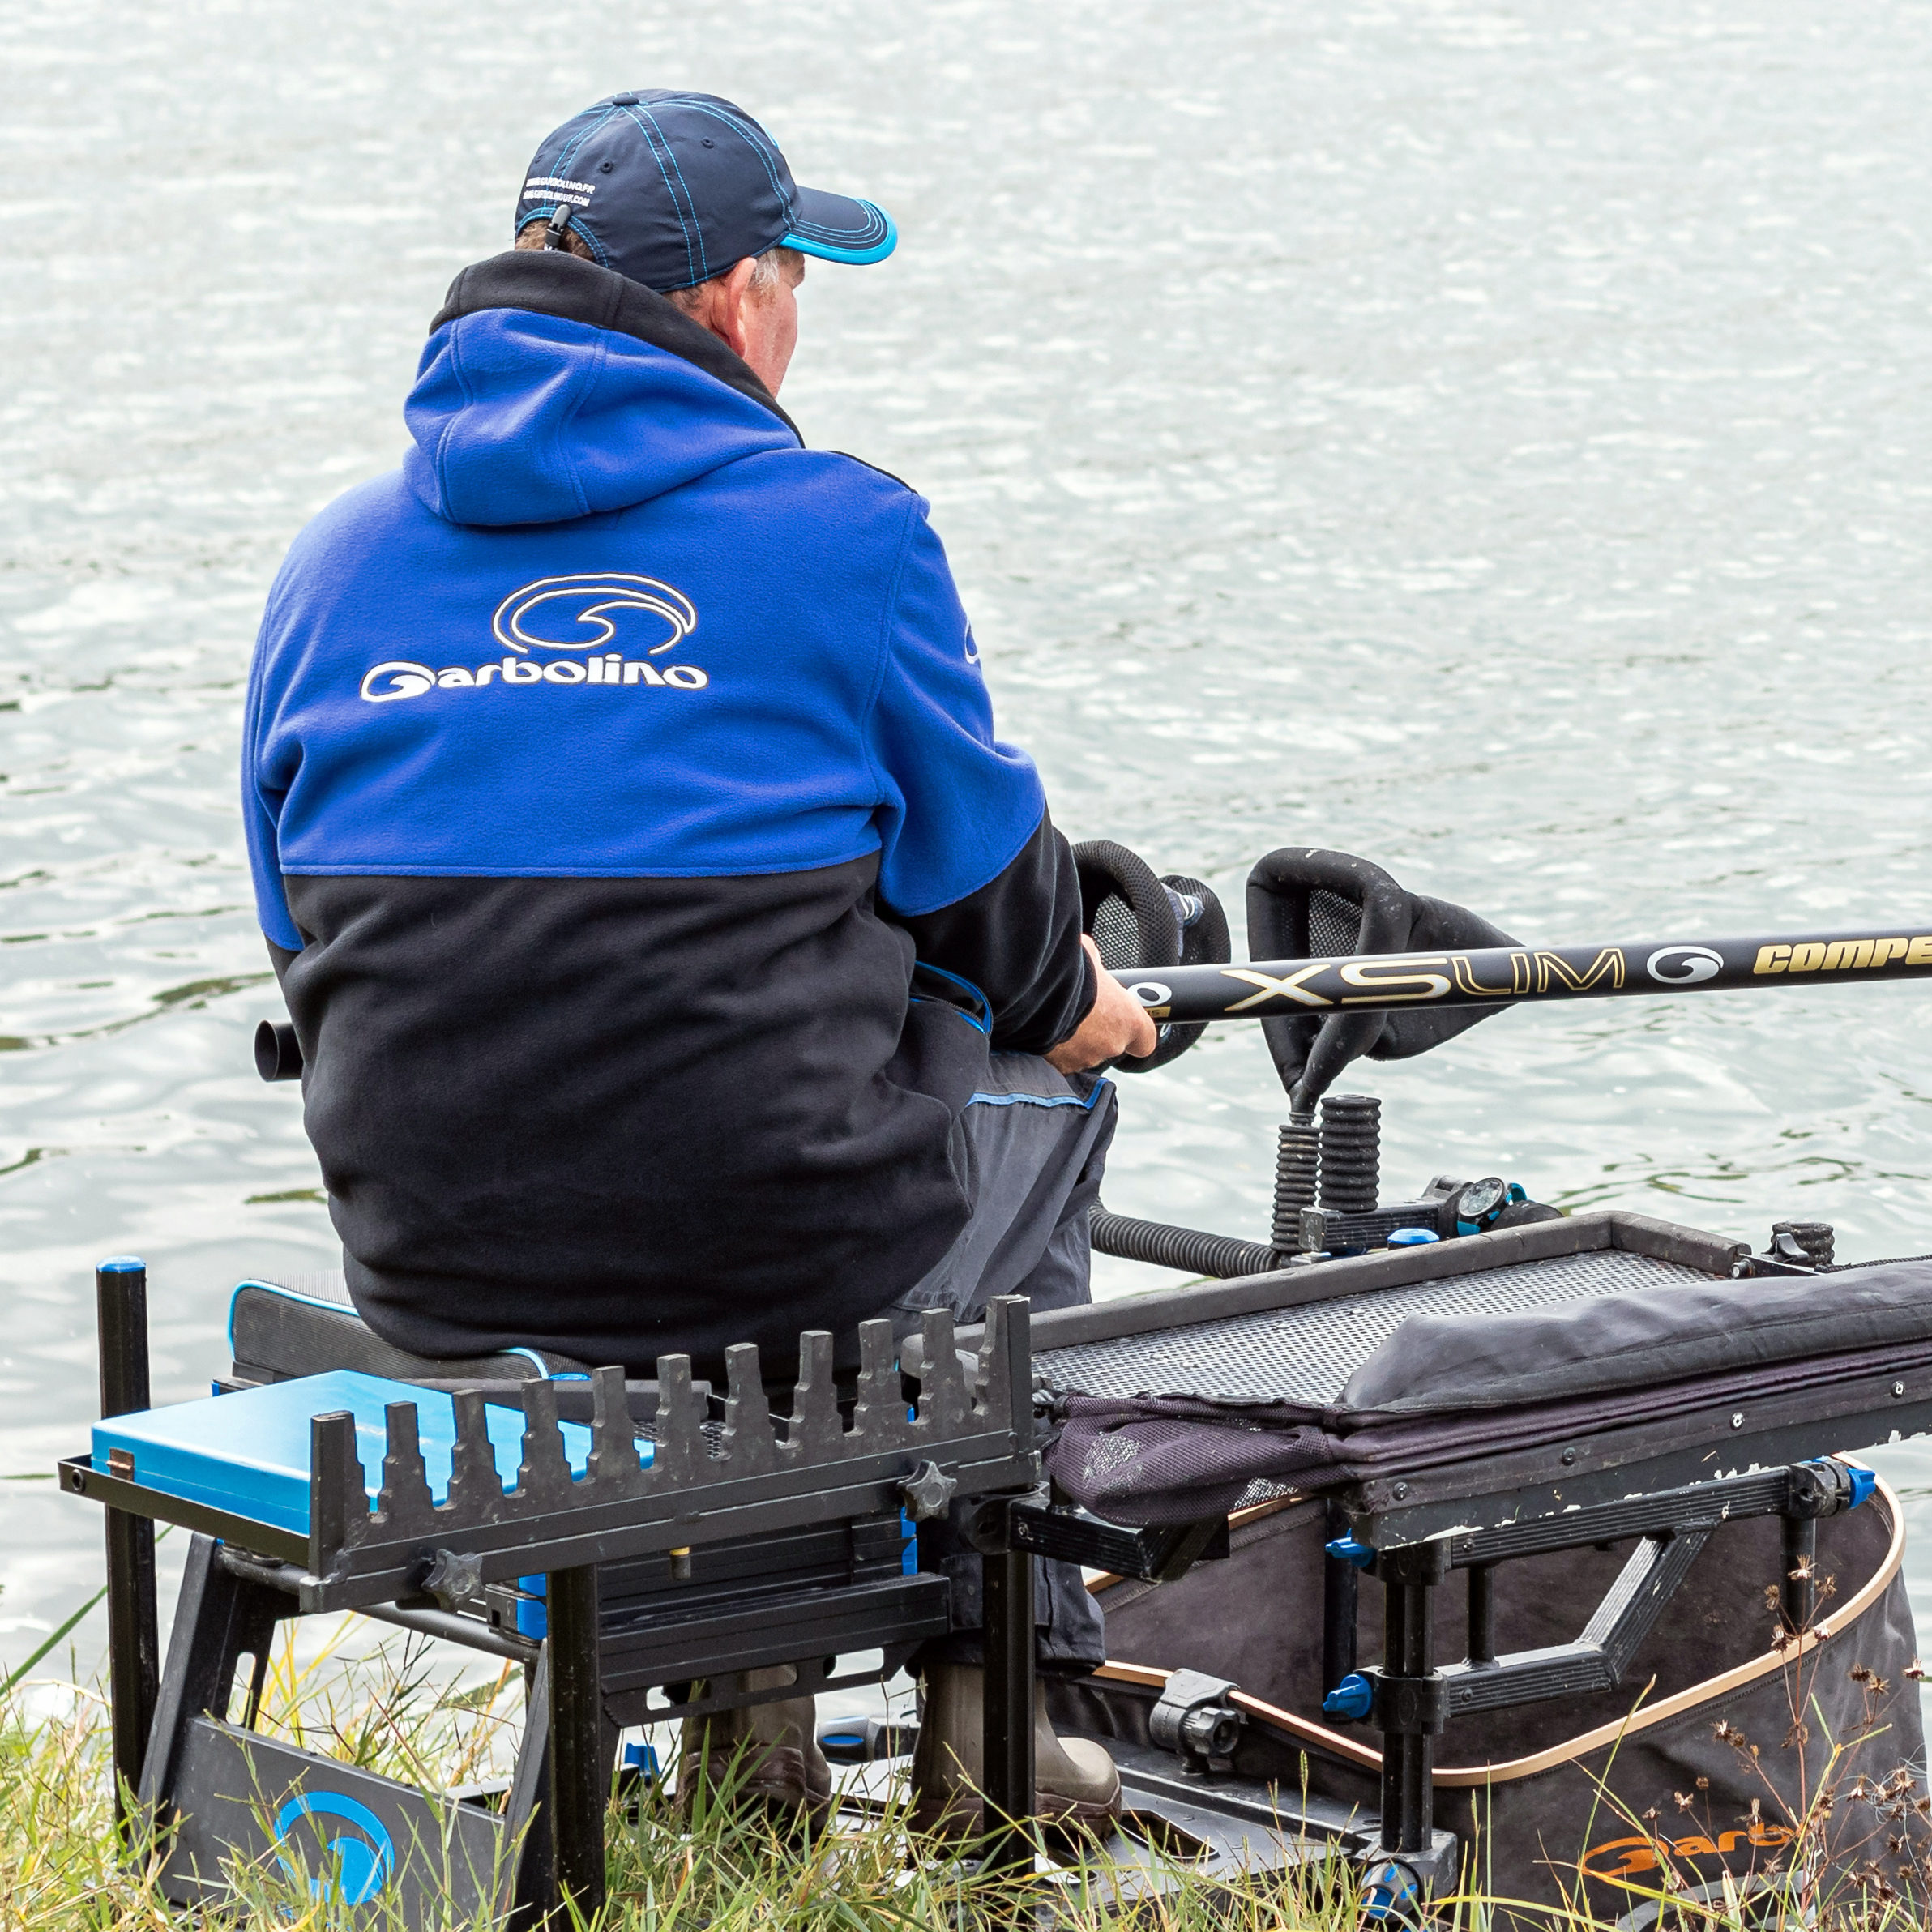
(1516, 976)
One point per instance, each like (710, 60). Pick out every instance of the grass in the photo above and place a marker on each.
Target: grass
(720, 1869)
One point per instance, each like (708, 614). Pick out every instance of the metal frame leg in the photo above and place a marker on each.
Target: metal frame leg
(218, 1618)
(1408, 1755)
(1482, 1614)
(1008, 1717)
(133, 1623)
(1797, 1578)
(578, 1786)
(1341, 1586)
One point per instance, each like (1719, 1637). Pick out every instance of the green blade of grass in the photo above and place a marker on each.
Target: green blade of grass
(12, 1677)
(19, 1670)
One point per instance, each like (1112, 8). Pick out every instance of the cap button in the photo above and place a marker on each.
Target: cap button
(623, 100)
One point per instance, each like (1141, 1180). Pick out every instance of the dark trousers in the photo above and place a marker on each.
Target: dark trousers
(1033, 1144)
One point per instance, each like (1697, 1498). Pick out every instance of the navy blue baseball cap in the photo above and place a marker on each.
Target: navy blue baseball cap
(671, 189)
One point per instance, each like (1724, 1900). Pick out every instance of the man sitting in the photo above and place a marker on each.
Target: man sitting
(678, 958)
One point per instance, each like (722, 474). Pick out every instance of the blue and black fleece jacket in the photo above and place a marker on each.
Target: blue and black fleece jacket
(613, 773)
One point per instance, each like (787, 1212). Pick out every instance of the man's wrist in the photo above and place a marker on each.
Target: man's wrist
(1090, 992)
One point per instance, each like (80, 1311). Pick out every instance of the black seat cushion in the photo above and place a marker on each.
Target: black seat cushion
(306, 1324)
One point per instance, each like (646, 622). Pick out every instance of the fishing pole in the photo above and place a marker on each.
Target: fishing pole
(1509, 975)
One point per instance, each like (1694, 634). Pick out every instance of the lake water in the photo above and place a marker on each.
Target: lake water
(1488, 438)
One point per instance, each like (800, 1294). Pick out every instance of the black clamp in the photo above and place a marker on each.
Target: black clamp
(1407, 1707)
(1825, 1488)
(1195, 1720)
(1414, 1562)
(989, 1528)
(1155, 1554)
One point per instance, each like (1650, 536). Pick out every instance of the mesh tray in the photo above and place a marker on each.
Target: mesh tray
(1306, 1355)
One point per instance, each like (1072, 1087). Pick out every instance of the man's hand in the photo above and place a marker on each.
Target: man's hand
(1115, 1024)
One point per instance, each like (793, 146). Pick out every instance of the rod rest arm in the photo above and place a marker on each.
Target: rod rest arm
(1061, 1532)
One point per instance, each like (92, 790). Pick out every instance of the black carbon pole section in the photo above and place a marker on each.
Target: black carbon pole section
(1509, 975)
(577, 1792)
(1008, 1717)
(133, 1637)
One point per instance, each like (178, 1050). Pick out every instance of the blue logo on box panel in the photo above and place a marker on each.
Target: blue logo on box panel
(365, 1858)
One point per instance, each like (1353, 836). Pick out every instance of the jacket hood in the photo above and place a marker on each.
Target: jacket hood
(551, 389)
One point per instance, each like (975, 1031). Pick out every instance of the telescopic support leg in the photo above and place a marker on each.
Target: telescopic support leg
(1008, 1717)
(1797, 1579)
(578, 1783)
(1341, 1583)
(1482, 1614)
(1409, 1576)
(133, 1624)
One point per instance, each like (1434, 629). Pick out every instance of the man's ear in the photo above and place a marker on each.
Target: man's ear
(730, 322)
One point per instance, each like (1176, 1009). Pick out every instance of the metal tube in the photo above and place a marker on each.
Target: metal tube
(577, 1793)
(1509, 975)
(1408, 1757)
(1008, 1717)
(1482, 1621)
(1798, 1580)
(1341, 1586)
(1418, 1660)
(133, 1623)
(469, 1631)
(1395, 1608)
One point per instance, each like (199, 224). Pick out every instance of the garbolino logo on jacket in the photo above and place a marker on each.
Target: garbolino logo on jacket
(586, 600)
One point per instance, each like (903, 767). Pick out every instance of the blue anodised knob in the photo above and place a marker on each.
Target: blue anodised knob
(1350, 1698)
(1345, 1549)
(1863, 1483)
(1390, 1893)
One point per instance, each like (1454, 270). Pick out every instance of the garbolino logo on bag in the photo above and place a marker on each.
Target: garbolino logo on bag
(525, 620)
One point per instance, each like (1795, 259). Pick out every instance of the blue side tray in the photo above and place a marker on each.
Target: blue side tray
(248, 1452)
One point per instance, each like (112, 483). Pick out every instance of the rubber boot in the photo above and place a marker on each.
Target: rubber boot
(1075, 1782)
(767, 1752)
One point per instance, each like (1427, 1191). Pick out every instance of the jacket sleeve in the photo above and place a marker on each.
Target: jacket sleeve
(969, 862)
(1018, 939)
(260, 795)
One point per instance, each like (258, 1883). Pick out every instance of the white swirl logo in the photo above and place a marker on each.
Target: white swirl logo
(589, 601)
(1151, 992)
(406, 680)
(1684, 965)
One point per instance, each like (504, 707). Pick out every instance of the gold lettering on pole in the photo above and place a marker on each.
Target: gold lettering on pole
(1382, 979)
(1289, 987)
(1608, 964)
(1466, 981)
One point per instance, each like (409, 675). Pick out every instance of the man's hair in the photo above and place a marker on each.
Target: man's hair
(768, 270)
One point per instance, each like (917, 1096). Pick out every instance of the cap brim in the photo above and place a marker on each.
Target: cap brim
(839, 228)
